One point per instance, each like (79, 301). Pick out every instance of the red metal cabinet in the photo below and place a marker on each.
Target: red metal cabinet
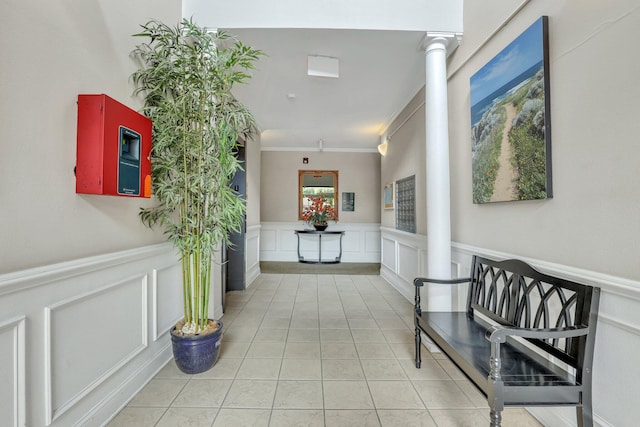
(113, 147)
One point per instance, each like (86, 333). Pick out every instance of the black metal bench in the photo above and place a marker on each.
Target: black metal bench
(526, 338)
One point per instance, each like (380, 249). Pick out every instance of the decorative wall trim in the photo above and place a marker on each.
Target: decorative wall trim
(361, 242)
(403, 258)
(618, 324)
(619, 286)
(105, 294)
(109, 407)
(16, 326)
(156, 328)
(161, 326)
(55, 412)
(252, 255)
(20, 281)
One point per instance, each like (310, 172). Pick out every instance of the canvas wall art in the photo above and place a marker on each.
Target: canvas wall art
(510, 121)
(387, 196)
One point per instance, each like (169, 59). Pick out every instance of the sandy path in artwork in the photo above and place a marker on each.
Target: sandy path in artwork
(503, 188)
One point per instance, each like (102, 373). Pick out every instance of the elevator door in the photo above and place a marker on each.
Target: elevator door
(236, 249)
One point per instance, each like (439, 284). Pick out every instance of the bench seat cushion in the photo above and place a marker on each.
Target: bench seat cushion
(463, 339)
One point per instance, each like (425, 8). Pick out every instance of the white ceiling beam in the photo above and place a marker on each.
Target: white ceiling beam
(402, 15)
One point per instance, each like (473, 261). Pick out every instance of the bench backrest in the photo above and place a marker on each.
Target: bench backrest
(513, 293)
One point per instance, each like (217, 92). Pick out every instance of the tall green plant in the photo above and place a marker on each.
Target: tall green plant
(185, 76)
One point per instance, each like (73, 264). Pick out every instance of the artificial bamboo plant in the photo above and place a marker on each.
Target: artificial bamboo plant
(185, 76)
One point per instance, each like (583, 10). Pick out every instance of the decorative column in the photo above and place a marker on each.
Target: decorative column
(437, 46)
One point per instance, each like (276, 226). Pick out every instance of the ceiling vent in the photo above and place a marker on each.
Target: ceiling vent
(323, 66)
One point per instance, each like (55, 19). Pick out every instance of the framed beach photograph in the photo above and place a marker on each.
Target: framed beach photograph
(388, 196)
(511, 121)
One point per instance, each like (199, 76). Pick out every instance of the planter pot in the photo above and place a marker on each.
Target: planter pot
(320, 227)
(197, 353)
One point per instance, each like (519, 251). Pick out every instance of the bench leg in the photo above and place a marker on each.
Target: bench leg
(495, 394)
(584, 412)
(495, 418)
(418, 344)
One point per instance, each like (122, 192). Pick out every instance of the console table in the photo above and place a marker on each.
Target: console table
(319, 234)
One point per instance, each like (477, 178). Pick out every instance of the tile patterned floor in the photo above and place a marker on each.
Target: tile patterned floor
(315, 350)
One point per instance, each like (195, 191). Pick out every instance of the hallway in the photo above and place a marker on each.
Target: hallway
(315, 350)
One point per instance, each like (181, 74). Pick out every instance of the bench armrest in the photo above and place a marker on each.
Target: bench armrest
(499, 334)
(419, 281)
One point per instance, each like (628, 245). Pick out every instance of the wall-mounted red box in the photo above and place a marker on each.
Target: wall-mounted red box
(113, 147)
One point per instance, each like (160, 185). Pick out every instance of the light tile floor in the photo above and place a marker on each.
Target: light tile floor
(315, 350)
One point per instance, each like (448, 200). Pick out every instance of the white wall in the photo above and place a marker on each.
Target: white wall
(433, 15)
(78, 336)
(252, 235)
(588, 231)
(406, 156)
(358, 173)
(591, 221)
(591, 225)
(252, 167)
(51, 52)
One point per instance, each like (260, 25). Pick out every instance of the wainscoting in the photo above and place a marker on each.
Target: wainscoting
(278, 242)
(404, 257)
(79, 339)
(252, 254)
(618, 337)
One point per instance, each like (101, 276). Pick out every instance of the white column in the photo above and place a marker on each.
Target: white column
(437, 46)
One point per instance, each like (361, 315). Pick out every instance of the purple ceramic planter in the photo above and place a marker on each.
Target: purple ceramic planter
(197, 353)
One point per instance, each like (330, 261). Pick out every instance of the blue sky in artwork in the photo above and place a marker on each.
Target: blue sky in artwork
(513, 60)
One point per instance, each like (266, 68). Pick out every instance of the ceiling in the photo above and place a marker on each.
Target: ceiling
(380, 71)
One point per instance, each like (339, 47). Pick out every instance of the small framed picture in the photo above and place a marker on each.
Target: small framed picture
(348, 202)
(388, 196)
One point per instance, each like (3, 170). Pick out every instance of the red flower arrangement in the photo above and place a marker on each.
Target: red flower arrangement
(319, 212)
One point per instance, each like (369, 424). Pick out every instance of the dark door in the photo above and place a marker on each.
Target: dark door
(235, 251)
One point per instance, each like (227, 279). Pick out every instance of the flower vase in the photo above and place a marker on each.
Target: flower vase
(320, 227)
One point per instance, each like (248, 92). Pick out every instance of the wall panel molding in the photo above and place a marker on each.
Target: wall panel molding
(166, 290)
(617, 291)
(20, 281)
(252, 256)
(13, 388)
(92, 342)
(361, 242)
(403, 259)
(84, 321)
(612, 284)
(618, 324)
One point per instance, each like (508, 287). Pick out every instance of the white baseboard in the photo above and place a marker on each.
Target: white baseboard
(113, 403)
